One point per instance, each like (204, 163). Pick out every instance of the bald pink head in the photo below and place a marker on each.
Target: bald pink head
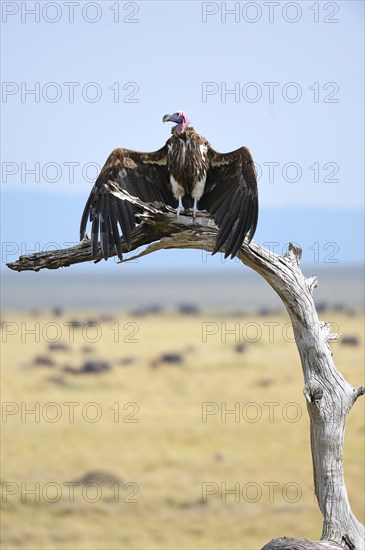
(180, 118)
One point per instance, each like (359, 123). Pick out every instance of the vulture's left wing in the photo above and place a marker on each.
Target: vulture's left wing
(142, 175)
(230, 195)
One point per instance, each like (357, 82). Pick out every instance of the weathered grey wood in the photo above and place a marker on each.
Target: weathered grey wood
(286, 543)
(328, 395)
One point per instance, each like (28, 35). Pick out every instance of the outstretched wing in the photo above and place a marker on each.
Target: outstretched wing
(230, 195)
(143, 175)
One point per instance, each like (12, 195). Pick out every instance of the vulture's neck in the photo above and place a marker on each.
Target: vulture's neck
(188, 133)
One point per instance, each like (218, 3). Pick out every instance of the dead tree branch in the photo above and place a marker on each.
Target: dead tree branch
(328, 395)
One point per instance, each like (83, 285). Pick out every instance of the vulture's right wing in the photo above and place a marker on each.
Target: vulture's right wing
(142, 175)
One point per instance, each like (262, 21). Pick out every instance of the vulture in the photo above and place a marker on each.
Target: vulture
(184, 173)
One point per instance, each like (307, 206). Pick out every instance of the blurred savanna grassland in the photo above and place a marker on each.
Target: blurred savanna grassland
(157, 459)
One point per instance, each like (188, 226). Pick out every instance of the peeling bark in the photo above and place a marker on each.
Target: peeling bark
(328, 395)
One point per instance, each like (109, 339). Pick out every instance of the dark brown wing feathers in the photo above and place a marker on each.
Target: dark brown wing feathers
(230, 195)
(140, 175)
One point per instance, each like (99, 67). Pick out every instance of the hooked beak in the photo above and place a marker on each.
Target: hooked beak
(166, 118)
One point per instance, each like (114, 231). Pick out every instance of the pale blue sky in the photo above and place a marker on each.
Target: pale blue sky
(169, 55)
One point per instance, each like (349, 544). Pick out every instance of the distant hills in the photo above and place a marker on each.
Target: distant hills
(239, 290)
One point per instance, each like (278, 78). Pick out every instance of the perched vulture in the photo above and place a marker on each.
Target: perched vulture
(184, 172)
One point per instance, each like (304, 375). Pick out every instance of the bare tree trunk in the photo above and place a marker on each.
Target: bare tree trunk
(328, 395)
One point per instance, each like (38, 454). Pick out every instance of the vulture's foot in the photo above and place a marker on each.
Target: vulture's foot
(179, 208)
(195, 209)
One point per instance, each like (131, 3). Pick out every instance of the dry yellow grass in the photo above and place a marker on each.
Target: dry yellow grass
(170, 454)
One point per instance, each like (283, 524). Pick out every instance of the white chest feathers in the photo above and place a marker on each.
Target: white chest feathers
(177, 189)
(198, 188)
(197, 169)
